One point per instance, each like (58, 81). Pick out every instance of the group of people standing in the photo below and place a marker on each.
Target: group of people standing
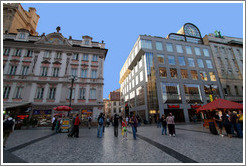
(168, 122)
(231, 121)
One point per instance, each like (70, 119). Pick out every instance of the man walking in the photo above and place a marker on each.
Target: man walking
(89, 122)
(8, 127)
(100, 125)
(75, 129)
(134, 122)
(116, 124)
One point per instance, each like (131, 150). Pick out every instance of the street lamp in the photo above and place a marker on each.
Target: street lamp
(72, 78)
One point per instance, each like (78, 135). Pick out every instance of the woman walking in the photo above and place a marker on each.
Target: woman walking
(171, 124)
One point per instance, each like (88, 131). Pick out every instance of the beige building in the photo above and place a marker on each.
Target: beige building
(37, 72)
(112, 105)
(228, 57)
(15, 17)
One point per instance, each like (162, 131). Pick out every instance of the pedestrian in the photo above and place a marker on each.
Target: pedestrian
(235, 124)
(171, 124)
(226, 124)
(133, 121)
(72, 126)
(164, 124)
(89, 122)
(158, 122)
(108, 121)
(75, 132)
(100, 125)
(195, 118)
(8, 127)
(218, 121)
(58, 125)
(104, 122)
(150, 119)
(127, 120)
(240, 119)
(116, 124)
(124, 129)
(53, 123)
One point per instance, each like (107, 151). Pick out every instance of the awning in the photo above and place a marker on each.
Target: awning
(220, 104)
(14, 105)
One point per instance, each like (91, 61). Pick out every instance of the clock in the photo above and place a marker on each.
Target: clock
(191, 30)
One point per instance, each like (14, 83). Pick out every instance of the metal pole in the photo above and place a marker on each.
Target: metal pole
(70, 99)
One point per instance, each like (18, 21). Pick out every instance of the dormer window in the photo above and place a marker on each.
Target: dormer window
(87, 42)
(22, 36)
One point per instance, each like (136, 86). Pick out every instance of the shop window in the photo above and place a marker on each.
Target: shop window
(194, 75)
(212, 76)
(173, 72)
(184, 74)
(163, 72)
(203, 75)
(170, 92)
(192, 93)
(160, 58)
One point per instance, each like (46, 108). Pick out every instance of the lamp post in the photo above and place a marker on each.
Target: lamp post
(72, 78)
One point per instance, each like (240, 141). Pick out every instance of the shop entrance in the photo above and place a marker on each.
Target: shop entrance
(178, 114)
(194, 116)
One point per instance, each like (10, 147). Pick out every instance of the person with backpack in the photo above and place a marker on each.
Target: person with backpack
(100, 125)
(116, 124)
(8, 127)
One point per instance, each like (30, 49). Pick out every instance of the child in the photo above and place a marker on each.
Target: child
(124, 129)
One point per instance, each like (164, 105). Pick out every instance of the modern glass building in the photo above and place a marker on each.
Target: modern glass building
(173, 74)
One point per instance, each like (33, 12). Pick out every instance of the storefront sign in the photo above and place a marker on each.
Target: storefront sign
(41, 112)
(195, 106)
(173, 106)
(22, 116)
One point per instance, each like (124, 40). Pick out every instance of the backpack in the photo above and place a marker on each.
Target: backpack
(8, 124)
(100, 121)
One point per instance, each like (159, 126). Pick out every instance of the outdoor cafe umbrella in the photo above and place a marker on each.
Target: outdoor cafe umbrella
(220, 104)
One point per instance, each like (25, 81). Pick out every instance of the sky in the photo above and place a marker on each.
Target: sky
(120, 24)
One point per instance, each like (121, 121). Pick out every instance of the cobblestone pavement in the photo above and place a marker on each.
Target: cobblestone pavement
(192, 143)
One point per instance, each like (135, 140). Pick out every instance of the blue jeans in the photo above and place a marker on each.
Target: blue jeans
(99, 131)
(164, 129)
(134, 132)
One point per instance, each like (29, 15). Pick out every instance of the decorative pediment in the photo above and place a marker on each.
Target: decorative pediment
(57, 63)
(45, 62)
(54, 39)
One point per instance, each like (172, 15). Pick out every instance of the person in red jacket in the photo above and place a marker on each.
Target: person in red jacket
(76, 127)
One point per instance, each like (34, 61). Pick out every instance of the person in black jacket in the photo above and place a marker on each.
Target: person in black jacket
(164, 124)
(116, 124)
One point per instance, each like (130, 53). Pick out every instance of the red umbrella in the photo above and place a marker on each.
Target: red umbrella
(62, 108)
(220, 104)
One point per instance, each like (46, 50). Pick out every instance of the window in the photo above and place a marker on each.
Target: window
(191, 62)
(192, 93)
(6, 51)
(24, 70)
(136, 79)
(219, 62)
(86, 42)
(136, 69)
(169, 47)
(82, 93)
(194, 75)
(188, 50)
(209, 64)
(197, 51)
(75, 56)
(181, 61)
(39, 93)
(205, 52)
(203, 75)
(133, 84)
(163, 72)
(52, 93)
(58, 55)
(171, 60)
(179, 48)
(6, 92)
(94, 58)
(160, 58)
(141, 76)
(18, 91)
(47, 54)
(22, 36)
(84, 73)
(17, 52)
(12, 70)
(184, 74)
(73, 94)
(146, 44)
(92, 93)
(74, 72)
(140, 63)
(200, 63)
(93, 73)
(236, 90)
(55, 72)
(228, 90)
(114, 103)
(130, 86)
(114, 110)
(173, 73)
(212, 76)
(29, 53)
(159, 46)
(85, 57)
(170, 92)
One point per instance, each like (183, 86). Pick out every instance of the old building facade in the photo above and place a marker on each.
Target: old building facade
(174, 74)
(38, 73)
(15, 17)
(228, 57)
